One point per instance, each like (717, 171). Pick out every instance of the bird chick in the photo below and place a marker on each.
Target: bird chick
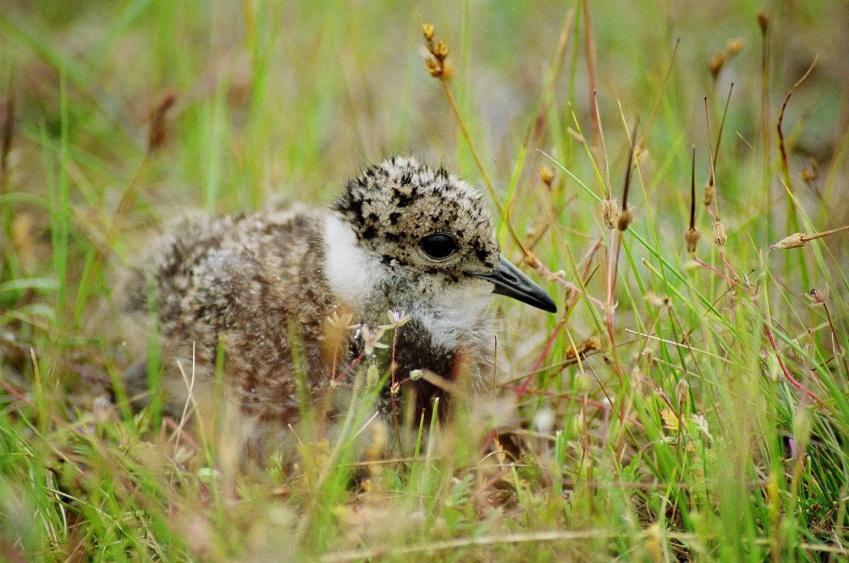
(265, 292)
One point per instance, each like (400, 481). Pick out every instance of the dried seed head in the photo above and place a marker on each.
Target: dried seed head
(435, 63)
(710, 194)
(692, 237)
(656, 300)
(818, 297)
(735, 46)
(532, 261)
(610, 212)
(796, 240)
(811, 172)
(440, 51)
(434, 68)
(546, 174)
(716, 62)
(625, 219)
(682, 391)
(592, 343)
(719, 235)
(427, 31)
(763, 21)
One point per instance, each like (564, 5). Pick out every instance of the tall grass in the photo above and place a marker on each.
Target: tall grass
(681, 405)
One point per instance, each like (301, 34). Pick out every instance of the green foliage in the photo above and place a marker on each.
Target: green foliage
(679, 406)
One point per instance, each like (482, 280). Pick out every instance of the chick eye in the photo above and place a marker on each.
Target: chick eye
(438, 246)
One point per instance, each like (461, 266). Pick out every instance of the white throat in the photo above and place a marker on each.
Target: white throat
(454, 316)
(351, 272)
(459, 316)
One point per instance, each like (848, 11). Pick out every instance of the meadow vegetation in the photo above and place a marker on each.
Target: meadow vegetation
(674, 173)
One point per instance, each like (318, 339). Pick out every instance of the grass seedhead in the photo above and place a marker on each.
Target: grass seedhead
(438, 51)
(626, 217)
(546, 175)
(610, 211)
(763, 22)
(720, 237)
(692, 235)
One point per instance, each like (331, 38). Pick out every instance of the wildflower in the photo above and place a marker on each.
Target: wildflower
(397, 318)
(371, 338)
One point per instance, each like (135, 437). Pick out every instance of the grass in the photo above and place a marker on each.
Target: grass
(679, 406)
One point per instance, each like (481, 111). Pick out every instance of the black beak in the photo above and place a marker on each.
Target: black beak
(510, 281)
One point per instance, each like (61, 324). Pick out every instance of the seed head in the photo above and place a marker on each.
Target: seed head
(716, 62)
(719, 235)
(692, 236)
(818, 297)
(763, 21)
(625, 219)
(811, 172)
(440, 50)
(437, 53)
(710, 194)
(610, 212)
(427, 31)
(735, 46)
(546, 174)
(796, 240)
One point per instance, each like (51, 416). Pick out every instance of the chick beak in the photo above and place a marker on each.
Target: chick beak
(510, 281)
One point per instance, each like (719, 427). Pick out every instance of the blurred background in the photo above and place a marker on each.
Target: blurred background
(292, 97)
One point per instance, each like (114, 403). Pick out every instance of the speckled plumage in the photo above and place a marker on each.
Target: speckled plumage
(263, 287)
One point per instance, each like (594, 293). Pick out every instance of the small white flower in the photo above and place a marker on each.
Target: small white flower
(397, 318)
(371, 338)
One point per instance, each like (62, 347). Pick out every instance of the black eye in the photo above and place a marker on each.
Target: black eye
(438, 246)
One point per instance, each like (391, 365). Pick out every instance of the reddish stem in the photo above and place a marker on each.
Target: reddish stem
(793, 381)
